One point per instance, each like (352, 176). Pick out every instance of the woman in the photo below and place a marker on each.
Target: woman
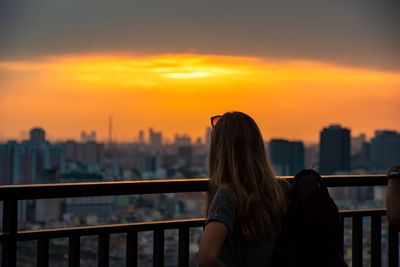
(246, 203)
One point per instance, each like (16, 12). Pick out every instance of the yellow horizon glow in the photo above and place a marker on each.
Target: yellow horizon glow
(177, 93)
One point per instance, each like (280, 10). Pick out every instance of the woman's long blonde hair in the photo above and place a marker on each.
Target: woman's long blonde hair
(238, 162)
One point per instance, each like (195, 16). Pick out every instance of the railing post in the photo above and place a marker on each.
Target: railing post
(357, 241)
(393, 248)
(10, 225)
(104, 250)
(341, 244)
(376, 240)
(74, 248)
(43, 252)
(131, 248)
(183, 247)
(158, 248)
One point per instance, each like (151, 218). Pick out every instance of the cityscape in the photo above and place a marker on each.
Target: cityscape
(104, 108)
(37, 160)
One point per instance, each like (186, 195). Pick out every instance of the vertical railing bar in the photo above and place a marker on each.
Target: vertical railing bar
(10, 225)
(393, 247)
(376, 239)
(43, 252)
(131, 249)
(103, 250)
(341, 244)
(357, 241)
(158, 248)
(183, 247)
(74, 249)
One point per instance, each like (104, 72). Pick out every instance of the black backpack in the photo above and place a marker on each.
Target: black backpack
(310, 234)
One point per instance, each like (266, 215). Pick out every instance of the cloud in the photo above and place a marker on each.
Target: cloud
(357, 33)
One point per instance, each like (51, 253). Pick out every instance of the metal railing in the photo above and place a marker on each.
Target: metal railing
(10, 235)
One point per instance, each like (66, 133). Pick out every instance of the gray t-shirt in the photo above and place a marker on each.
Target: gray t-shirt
(237, 251)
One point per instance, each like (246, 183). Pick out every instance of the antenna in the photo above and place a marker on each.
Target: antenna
(110, 131)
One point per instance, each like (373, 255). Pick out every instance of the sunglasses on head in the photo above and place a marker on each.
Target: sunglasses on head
(215, 119)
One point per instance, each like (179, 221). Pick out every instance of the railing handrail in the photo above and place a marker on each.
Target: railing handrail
(87, 189)
(120, 228)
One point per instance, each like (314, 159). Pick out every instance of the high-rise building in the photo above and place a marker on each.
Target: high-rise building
(334, 150)
(208, 135)
(84, 153)
(37, 135)
(357, 143)
(141, 137)
(155, 138)
(88, 137)
(287, 157)
(360, 160)
(182, 140)
(6, 162)
(384, 150)
(184, 155)
(30, 162)
(311, 154)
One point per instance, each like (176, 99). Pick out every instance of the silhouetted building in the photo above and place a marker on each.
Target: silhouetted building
(182, 140)
(141, 137)
(88, 137)
(311, 153)
(208, 135)
(184, 155)
(360, 160)
(357, 143)
(37, 135)
(29, 162)
(155, 138)
(6, 162)
(287, 157)
(85, 153)
(385, 150)
(334, 150)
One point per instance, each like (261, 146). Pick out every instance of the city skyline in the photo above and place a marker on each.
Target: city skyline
(173, 65)
(145, 136)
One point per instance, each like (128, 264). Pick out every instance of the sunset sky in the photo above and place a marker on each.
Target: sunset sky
(67, 66)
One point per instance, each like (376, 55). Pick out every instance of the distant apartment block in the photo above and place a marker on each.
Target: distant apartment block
(384, 150)
(334, 154)
(287, 156)
(31, 161)
(155, 138)
(85, 153)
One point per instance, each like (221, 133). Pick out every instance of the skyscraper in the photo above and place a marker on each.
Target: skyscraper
(334, 150)
(88, 137)
(37, 135)
(141, 137)
(155, 138)
(287, 156)
(384, 150)
(182, 140)
(208, 135)
(6, 162)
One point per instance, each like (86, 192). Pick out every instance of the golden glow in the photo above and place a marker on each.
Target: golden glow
(187, 75)
(178, 93)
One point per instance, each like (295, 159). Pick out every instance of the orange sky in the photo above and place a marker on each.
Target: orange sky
(177, 93)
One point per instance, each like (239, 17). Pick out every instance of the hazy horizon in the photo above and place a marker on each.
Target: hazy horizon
(293, 67)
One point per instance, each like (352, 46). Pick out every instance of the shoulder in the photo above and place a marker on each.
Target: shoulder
(222, 209)
(221, 198)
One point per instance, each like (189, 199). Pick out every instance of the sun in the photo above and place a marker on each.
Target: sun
(187, 75)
